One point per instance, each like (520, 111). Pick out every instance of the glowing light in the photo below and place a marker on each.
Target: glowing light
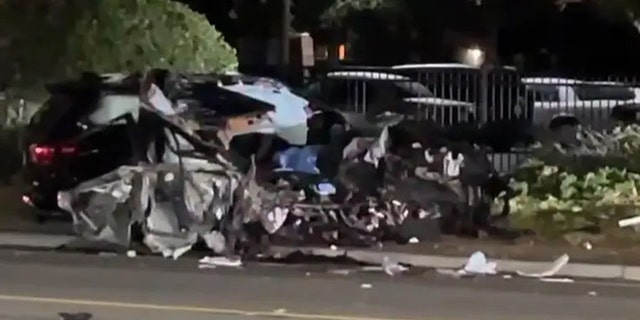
(474, 56)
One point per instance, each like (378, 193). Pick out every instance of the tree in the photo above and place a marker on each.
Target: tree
(60, 38)
(340, 10)
(621, 9)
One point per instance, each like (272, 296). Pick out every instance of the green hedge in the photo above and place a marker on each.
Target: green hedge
(58, 39)
(588, 186)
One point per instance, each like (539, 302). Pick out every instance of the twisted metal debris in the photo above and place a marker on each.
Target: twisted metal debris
(351, 190)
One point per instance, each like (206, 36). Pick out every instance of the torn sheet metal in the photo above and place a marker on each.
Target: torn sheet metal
(184, 193)
(173, 212)
(289, 117)
(190, 189)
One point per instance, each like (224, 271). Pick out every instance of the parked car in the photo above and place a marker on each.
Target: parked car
(504, 92)
(93, 125)
(561, 102)
(503, 114)
(375, 92)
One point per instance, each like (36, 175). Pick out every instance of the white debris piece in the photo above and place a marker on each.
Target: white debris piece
(628, 222)
(391, 267)
(159, 101)
(340, 272)
(177, 253)
(274, 219)
(333, 248)
(166, 253)
(220, 261)
(131, 253)
(414, 240)
(366, 286)
(555, 267)
(557, 280)
(372, 269)
(215, 241)
(478, 264)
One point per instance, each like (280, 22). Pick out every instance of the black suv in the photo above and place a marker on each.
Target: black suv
(91, 126)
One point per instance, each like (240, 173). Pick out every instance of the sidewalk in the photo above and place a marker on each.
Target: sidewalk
(18, 229)
(595, 263)
(599, 263)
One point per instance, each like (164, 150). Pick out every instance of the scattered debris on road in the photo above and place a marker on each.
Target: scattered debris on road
(215, 163)
(557, 265)
(557, 280)
(478, 264)
(340, 272)
(220, 262)
(392, 268)
(629, 222)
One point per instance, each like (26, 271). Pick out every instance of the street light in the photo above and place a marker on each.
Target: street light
(473, 56)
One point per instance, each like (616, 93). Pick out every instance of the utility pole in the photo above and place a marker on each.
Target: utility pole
(284, 38)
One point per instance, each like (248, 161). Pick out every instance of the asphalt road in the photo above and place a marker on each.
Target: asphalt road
(40, 285)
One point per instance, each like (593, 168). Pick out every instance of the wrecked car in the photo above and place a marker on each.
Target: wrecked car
(189, 180)
(180, 177)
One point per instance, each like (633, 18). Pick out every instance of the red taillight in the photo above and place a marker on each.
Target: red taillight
(44, 154)
(41, 154)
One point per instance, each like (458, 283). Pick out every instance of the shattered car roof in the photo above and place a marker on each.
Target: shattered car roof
(206, 100)
(225, 102)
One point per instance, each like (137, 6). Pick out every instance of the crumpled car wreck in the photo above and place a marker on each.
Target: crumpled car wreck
(201, 176)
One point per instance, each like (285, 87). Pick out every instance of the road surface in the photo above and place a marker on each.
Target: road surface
(37, 286)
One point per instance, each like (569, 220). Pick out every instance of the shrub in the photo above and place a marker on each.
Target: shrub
(588, 186)
(50, 40)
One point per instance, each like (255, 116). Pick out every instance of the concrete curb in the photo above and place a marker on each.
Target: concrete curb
(577, 270)
(375, 257)
(34, 240)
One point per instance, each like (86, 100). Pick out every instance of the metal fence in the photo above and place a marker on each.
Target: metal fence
(519, 109)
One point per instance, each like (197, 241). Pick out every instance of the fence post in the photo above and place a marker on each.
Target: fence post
(484, 94)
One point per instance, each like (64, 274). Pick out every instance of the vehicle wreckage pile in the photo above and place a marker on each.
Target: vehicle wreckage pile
(355, 179)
